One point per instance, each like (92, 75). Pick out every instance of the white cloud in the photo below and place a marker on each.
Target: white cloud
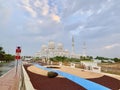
(40, 21)
(89, 12)
(26, 2)
(43, 5)
(37, 3)
(45, 11)
(77, 31)
(112, 46)
(81, 12)
(26, 5)
(42, 8)
(55, 17)
(105, 6)
(31, 11)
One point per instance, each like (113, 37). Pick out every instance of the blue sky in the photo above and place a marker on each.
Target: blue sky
(31, 23)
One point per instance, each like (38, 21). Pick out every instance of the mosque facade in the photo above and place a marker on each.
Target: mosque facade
(52, 50)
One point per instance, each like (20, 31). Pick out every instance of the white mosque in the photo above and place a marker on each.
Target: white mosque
(53, 50)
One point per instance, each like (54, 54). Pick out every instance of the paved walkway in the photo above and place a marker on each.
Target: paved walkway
(10, 80)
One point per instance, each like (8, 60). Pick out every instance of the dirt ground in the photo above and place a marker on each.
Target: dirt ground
(108, 81)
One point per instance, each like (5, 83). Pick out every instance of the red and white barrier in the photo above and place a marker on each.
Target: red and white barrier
(17, 56)
(18, 52)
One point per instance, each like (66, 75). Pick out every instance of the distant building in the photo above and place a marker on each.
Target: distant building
(27, 58)
(53, 50)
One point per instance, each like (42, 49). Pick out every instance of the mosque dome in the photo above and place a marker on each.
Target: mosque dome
(44, 47)
(51, 45)
(60, 46)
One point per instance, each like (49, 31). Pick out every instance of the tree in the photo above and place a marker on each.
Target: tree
(82, 57)
(2, 54)
(8, 57)
(116, 60)
(101, 58)
(64, 59)
(86, 58)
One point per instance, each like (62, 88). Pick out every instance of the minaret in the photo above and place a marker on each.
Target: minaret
(72, 44)
(84, 49)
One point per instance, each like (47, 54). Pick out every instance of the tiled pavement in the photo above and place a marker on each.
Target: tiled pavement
(10, 81)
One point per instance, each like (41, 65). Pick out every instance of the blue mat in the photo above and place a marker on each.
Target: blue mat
(89, 85)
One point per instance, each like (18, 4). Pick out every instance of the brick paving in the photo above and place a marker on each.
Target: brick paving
(10, 81)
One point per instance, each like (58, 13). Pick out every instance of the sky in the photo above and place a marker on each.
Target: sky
(32, 23)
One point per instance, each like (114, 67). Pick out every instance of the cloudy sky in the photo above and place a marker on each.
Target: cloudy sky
(31, 23)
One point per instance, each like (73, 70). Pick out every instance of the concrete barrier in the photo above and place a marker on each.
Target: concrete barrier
(27, 85)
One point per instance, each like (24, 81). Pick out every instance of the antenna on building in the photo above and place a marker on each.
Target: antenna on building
(84, 49)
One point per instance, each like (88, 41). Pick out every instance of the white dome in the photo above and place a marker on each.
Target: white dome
(44, 47)
(60, 46)
(51, 45)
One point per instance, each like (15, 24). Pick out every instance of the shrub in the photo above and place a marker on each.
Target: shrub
(52, 74)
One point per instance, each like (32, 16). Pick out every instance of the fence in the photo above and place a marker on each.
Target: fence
(112, 70)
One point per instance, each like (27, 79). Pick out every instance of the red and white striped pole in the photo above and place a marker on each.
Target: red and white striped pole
(17, 56)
